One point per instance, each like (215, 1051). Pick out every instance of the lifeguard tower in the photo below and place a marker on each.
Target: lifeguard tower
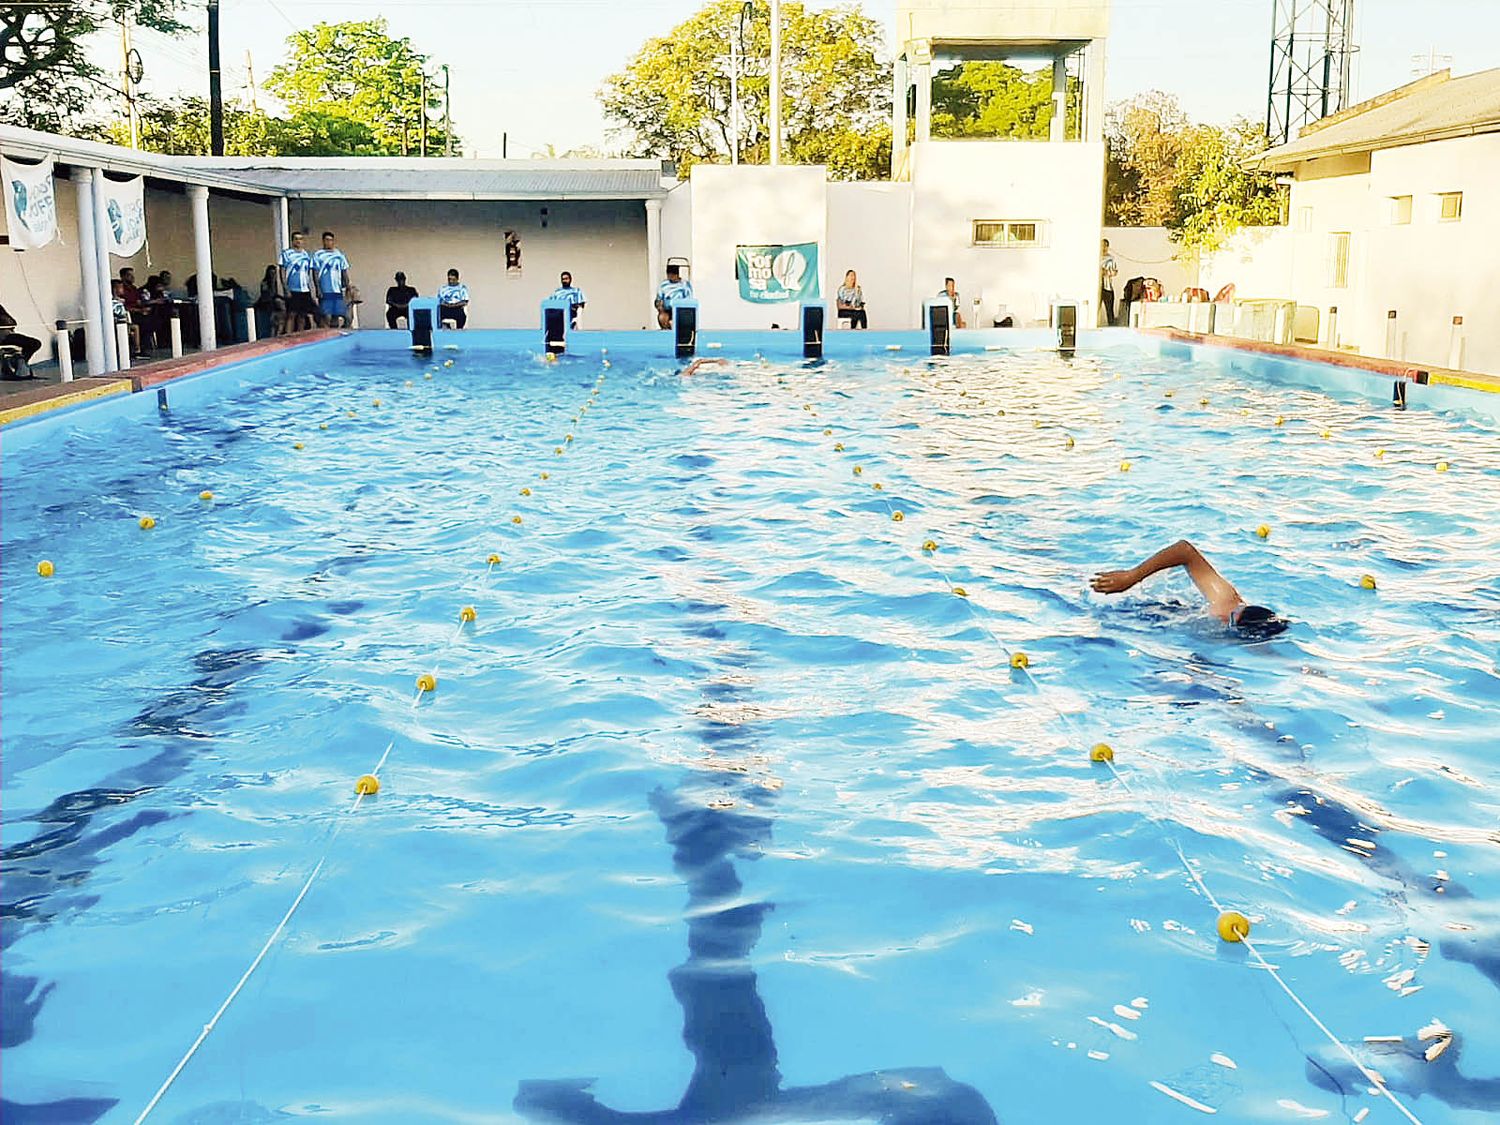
(1015, 213)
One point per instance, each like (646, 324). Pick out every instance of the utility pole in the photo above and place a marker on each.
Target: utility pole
(250, 77)
(447, 114)
(132, 75)
(775, 82)
(423, 149)
(215, 90)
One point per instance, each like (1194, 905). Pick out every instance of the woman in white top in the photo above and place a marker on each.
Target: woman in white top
(852, 302)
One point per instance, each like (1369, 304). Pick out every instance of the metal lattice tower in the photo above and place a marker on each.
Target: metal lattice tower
(1312, 60)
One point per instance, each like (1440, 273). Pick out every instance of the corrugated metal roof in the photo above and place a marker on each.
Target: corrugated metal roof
(380, 177)
(452, 179)
(1438, 108)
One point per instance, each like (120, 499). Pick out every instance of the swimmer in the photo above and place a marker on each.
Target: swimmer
(1224, 601)
(698, 364)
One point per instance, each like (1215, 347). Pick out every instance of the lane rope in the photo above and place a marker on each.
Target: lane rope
(479, 586)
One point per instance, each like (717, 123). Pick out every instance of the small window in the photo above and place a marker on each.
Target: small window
(996, 232)
(1304, 218)
(1338, 260)
(1400, 210)
(1451, 206)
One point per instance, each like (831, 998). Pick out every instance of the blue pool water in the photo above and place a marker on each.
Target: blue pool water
(726, 802)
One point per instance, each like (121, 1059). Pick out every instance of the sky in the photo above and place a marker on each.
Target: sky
(530, 68)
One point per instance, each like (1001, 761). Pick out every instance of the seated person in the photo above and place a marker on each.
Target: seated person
(672, 290)
(570, 293)
(453, 301)
(1224, 601)
(398, 301)
(270, 305)
(851, 302)
(9, 338)
(122, 315)
(950, 291)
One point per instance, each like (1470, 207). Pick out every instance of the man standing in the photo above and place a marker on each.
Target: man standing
(570, 293)
(453, 301)
(1107, 272)
(950, 292)
(333, 283)
(398, 301)
(297, 279)
(673, 290)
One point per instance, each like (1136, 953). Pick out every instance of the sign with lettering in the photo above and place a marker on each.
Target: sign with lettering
(30, 204)
(771, 275)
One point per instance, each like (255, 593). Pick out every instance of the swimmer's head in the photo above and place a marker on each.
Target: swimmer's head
(1259, 622)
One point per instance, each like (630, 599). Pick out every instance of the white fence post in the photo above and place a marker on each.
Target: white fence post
(122, 344)
(64, 353)
(250, 324)
(174, 330)
(1333, 329)
(1456, 346)
(1390, 335)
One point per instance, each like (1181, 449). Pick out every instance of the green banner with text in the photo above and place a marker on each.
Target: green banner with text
(771, 275)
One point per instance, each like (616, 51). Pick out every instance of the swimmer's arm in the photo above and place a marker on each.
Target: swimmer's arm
(694, 367)
(1223, 599)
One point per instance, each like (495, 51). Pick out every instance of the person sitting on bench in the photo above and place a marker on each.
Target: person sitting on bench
(453, 301)
(9, 338)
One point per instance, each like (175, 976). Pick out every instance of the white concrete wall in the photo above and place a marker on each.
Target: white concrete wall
(1150, 252)
(1061, 185)
(752, 205)
(677, 224)
(1258, 262)
(867, 233)
(602, 243)
(41, 287)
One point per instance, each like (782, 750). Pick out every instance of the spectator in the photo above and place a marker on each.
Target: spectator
(950, 291)
(453, 301)
(297, 281)
(398, 301)
(1108, 271)
(270, 306)
(10, 338)
(166, 284)
(570, 293)
(147, 316)
(122, 315)
(673, 290)
(851, 302)
(332, 268)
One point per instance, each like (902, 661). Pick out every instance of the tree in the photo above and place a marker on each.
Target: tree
(1192, 179)
(1144, 137)
(1216, 193)
(356, 72)
(990, 99)
(46, 79)
(180, 127)
(673, 99)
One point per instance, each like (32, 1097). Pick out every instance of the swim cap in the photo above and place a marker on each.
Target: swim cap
(1259, 622)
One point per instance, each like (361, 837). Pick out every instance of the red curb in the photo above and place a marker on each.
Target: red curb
(164, 371)
(1391, 369)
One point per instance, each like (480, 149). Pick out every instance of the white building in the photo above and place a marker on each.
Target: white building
(1016, 222)
(1394, 218)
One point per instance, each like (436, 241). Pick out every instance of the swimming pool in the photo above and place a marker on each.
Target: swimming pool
(726, 800)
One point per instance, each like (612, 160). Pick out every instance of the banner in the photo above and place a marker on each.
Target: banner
(772, 275)
(30, 204)
(125, 208)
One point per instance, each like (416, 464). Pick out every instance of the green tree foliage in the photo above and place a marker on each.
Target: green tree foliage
(996, 100)
(357, 72)
(673, 99)
(1165, 171)
(181, 128)
(46, 79)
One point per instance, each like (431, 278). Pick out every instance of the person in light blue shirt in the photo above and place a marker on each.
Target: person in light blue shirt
(672, 290)
(297, 280)
(570, 293)
(453, 301)
(332, 270)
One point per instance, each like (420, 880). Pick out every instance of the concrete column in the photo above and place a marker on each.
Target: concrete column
(101, 254)
(281, 230)
(898, 116)
(924, 92)
(1093, 92)
(653, 250)
(88, 270)
(203, 264)
(1060, 98)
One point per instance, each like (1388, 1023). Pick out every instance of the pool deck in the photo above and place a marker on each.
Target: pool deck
(31, 400)
(1385, 368)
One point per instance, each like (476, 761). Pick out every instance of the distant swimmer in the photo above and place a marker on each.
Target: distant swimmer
(698, 365)
(1224, 601)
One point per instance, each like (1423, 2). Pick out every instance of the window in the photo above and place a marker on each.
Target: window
(1400, 210)
(1304, 218)
(997, 232)
(1451, 206)
(1338, 260)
